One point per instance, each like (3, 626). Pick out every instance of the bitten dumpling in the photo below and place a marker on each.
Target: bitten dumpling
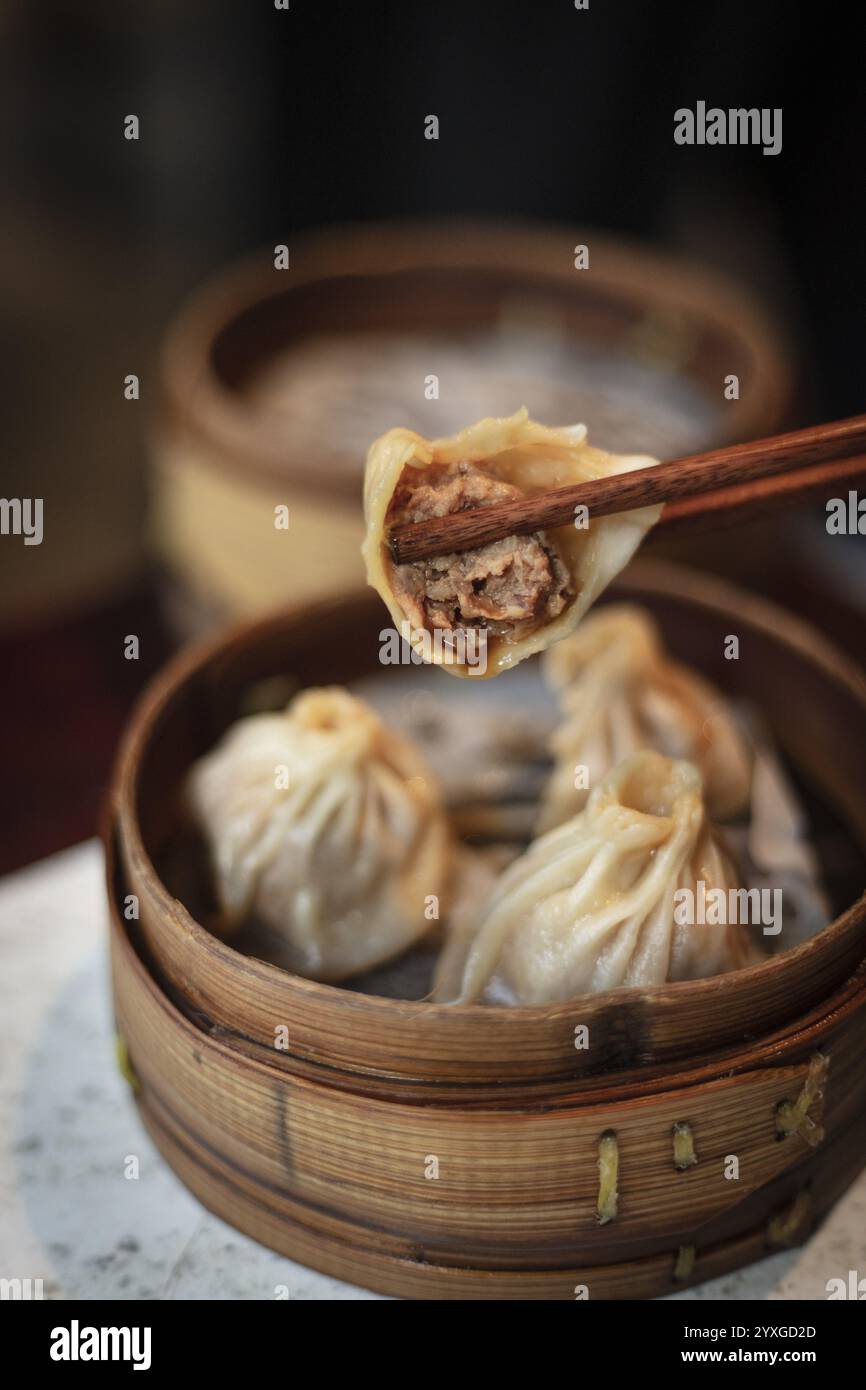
(619, 692)
(326, 827)
(512, 597)
(591, 905)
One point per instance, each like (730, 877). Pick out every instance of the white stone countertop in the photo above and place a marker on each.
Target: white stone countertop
(67, 1124)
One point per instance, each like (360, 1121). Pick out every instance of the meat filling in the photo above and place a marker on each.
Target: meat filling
(507, 584)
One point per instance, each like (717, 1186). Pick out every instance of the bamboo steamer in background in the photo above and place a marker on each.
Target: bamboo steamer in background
(276, 381)
(324, 1150)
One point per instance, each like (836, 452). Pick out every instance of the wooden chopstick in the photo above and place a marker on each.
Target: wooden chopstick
(751, 501)
(743, 469)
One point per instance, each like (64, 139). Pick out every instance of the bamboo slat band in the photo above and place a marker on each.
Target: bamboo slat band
(792, 1116)
(608, 1174)
(784, 1228)
(684, 1146)
(685, 1263)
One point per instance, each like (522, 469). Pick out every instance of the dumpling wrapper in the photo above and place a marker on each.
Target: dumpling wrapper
(590, 906)
(328, 828)
(534, 458)
(619, 693)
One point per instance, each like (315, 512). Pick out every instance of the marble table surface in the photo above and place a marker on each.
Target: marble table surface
(68, 1213)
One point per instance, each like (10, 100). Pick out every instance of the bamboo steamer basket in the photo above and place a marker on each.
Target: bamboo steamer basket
(324, 1151)
(224, 455)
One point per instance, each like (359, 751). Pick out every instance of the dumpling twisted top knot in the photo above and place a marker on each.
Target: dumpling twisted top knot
(327, 827)
(590, 906)
(620, 692)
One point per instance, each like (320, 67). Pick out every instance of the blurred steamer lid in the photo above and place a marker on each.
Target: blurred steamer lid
(276, 382)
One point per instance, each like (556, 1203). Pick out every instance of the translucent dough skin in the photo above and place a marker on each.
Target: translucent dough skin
(341, 860)
(535, 458)
(590, 905)
(619, 693)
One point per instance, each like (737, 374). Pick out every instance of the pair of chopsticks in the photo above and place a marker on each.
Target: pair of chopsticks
(737, 483)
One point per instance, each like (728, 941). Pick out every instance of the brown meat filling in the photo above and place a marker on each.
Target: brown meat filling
(508, 583)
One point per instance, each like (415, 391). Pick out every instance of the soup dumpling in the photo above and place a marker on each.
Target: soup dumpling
(591, 906)
(328, 828)
(516, 595)
(620, 692)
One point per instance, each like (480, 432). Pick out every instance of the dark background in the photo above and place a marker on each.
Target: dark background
(257, 123)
